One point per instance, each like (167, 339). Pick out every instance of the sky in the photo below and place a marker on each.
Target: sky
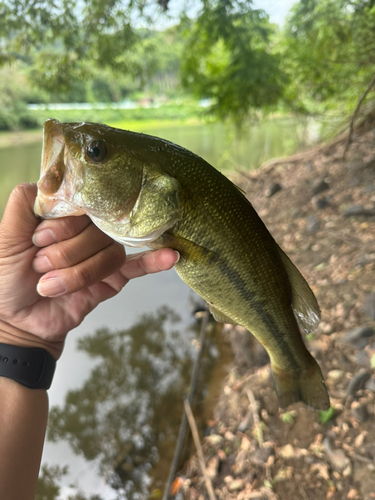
(276, 9)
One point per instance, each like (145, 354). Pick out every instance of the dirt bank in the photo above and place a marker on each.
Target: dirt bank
(321, 210)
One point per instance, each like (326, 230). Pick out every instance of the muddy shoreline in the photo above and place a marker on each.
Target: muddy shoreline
(320, 207)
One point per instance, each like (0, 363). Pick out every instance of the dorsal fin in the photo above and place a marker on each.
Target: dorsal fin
(304, 303)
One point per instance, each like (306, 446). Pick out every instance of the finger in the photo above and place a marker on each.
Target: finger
(83, 275)
(54, 230)
(149, 262)
(19, 222)
(70, 252)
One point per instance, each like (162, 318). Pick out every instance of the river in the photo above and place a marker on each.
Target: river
(117, 394)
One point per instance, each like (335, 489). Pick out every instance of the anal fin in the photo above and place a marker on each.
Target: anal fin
(304, 303)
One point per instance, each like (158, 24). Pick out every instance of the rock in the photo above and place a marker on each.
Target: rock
(369, 305)
(321, 203)
(215, 439)
(365, 259)
(358, 336)
(370, 384)
(362, 359)
(309, 165)
(213, 467)
(335, 375)
(229, 436)
(286, 451)
(360, 412)
(319, 186)
(357, 210)
(275, 188)
(246, 422)
(312, 224)
(337, 458)
(358, 382)
(261, 455)
(236, 485)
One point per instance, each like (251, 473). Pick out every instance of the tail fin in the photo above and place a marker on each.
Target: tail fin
(306, 386)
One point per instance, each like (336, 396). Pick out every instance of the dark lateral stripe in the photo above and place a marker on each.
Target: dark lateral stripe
(257, 305)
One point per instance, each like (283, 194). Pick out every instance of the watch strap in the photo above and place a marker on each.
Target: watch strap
(32, 367)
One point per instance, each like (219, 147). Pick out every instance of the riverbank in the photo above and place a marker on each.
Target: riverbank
(321, 209)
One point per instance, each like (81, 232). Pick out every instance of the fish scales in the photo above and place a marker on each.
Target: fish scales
(150, 191)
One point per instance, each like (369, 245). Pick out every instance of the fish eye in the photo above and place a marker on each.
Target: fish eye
(96, 151)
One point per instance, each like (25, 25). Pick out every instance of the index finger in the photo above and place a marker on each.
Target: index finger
(52, 231)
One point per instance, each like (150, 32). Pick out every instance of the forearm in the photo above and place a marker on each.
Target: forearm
(23, 421)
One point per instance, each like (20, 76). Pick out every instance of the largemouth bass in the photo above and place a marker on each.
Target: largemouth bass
(142, 190)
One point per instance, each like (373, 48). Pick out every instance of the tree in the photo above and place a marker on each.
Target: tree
(329, 52)
(67, 39)
(47, 486)
(228, 59)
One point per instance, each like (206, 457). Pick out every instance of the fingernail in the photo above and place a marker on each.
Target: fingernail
(178, 256)
(42, 264)
(43, 238)
(51, 287)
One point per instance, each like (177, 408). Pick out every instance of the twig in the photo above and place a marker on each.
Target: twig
(194, 431)
(254, 409)
(303, 492)
(360, 458)
(183, 425)
(351, 127)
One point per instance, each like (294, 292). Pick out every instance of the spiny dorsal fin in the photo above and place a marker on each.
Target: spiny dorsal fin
(219, 316)
(304, 303)
(239, 189)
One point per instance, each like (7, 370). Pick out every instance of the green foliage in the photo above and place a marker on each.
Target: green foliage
(326, 416)
(227, 58)
(165, 113)
(329, 52)
(68, 41)
(47, 486)
(287, 417)
(14, 89)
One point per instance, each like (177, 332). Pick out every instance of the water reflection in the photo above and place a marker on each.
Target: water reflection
(130, 406)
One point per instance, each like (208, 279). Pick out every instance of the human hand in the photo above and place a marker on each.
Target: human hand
(69, 261)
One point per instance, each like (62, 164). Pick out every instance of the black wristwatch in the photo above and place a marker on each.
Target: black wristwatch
(32, 367)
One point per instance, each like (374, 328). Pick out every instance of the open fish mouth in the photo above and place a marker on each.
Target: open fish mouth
(53, 186)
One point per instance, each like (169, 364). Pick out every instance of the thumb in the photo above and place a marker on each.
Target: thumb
(19, 222)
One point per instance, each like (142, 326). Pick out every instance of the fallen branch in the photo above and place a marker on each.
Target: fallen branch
(351, 127)
(254, 408)
(194, 431)
(183, 425)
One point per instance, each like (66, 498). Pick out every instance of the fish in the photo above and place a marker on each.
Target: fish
(144, 190)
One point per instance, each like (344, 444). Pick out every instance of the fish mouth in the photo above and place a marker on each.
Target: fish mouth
(52, 200)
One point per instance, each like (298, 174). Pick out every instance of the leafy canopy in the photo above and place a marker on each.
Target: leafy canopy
(329, 51)
(228, 59)
(67, 39)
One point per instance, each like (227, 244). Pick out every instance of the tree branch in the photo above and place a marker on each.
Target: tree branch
(351, 128)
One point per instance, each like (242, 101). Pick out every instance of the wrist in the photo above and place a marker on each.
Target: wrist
(12, 335)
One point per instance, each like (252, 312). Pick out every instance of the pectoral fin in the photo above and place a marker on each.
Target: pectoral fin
(304, 303)
(219, 316)
(157, 207)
